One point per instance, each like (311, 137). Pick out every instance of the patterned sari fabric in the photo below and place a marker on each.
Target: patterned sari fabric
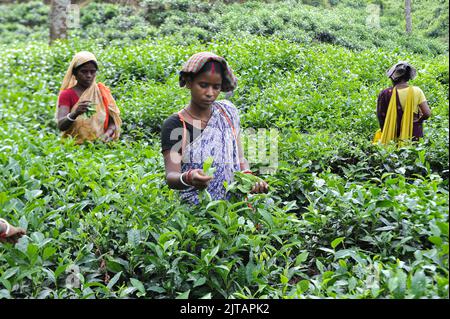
(217, 140)
(90, 128)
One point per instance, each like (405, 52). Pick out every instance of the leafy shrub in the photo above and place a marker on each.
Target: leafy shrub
(343, 219)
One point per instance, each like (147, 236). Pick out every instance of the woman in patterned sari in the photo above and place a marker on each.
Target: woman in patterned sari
(79, 94)
(204, 128)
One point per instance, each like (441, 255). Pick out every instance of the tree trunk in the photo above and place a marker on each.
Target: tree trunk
(58, 19)
(408, 16)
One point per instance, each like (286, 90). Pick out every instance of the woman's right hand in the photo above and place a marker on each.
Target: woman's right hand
(82, 108)
(13, 235)
(199, 179)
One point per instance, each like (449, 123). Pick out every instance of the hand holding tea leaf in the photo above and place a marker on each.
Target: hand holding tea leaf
(82, 108)
(248, 183)
(199, 179)
(90, 110)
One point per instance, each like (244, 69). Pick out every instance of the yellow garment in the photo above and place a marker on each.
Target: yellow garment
(90, 128)
(390, 124)
(377, 136)
(419, 97)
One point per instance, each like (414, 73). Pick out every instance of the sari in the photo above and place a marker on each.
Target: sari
(395, 122)
(86, 128)
(218, 140)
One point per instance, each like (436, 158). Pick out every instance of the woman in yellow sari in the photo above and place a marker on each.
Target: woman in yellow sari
(80, 94)
(402, 108)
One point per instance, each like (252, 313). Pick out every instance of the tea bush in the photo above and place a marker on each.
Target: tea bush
(343, 218)
(343, 24)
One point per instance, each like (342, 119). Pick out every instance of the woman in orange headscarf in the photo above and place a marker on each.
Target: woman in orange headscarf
(80, 94)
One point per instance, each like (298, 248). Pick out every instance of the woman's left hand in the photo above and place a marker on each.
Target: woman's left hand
(109, 134)
(260, 187)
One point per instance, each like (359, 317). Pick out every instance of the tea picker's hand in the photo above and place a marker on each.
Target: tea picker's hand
(260, 187)
(13, 233)
(82, 108)
(199, 179)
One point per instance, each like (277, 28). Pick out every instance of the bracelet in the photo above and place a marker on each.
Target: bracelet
(69, 118)
(8, 227)
(182, 182)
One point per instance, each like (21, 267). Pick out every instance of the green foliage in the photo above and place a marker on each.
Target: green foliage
(342, 23)
(343, 218)
(208, 167)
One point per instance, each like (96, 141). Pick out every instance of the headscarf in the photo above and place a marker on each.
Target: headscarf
(400, 69)
(90, 128)
(196, 63)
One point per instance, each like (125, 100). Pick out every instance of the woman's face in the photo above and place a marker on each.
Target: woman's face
(205, 88)
(86, 74)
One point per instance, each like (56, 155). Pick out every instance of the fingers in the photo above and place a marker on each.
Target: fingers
(199, 179)
(82, 107)
(200, 175)
(19, 231)
(81, 110)
(106, 138)
(14, 235)
(85, 102)
(111, 133)
(203, 178)
(13, 240)
(260, 187)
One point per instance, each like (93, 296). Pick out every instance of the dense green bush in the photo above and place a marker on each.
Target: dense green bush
(344, 218)
(343, 24)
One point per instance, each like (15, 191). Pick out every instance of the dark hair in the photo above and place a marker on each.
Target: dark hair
(75, 70)
(218, 67)
(405, 77)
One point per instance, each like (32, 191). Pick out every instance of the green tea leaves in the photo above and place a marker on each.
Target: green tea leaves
(208, 169)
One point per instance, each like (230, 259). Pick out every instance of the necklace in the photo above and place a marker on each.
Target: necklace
(196, 118)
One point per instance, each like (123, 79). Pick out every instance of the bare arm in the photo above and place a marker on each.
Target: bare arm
(426, 111)
(64, 123)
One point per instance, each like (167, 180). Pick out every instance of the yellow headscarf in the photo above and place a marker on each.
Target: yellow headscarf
(90, 128)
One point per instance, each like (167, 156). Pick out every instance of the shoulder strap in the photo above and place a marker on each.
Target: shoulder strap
(228, 120)
(183, 142)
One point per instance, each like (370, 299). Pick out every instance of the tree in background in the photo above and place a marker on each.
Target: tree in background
(408, 16)
(58, 19)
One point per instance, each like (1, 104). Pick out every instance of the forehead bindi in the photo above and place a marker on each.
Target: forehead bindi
(209, 77)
